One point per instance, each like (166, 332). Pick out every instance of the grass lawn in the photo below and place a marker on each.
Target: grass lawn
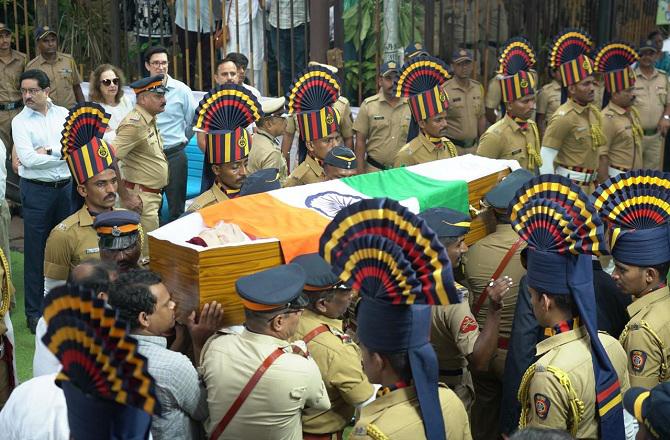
(24, 340)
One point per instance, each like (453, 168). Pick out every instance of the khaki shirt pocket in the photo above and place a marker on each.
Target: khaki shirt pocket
(662, 95)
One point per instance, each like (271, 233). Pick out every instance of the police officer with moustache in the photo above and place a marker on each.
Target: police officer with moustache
(652, 101)
(465, 119)
(381, 124)
(266, 152)
(337, 356)
(92, 166)
(421, 81)
(460, 346)
(13, 64)
(574, 134)
(640, 233)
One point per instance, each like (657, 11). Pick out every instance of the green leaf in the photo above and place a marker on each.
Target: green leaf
(365, 26)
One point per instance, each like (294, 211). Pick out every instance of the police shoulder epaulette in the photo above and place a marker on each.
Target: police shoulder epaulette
(462, 290)
(372, 98)
(297, 347)
(343, 99)
(67, 223)
(300, 171)
(342, 336)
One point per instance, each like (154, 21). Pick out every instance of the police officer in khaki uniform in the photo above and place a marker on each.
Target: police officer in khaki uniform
(492, 100)
(455, 334)
(60, 67)
(337, 356)
(381, 124)
(516, 135)
(340, 162)
(7, 373)
(139, 149)
(465, 119)
(120, 239)
(574, 134)
(12, 65)
(548, 100)
(428, 104)
(486, 257)
(91, 163)
(641, 267)
(621, 121)
(652, 101)
(290, 382)
(577, 383)
(319, 122)
(345, 130)
(266, 151)
(411, 404)
(227, 143)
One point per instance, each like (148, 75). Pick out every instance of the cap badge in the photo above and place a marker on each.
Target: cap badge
(391, 65)
(462, 53)
(418, 46)
(523, 83)
(116, 232)
(242, 143)
(443, 96)
(586, 64)
(329, 119)
(103, 152)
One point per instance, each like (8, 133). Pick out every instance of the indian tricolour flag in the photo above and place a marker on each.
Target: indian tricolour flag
(297, 216)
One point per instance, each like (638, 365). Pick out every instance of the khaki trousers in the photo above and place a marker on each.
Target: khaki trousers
(652, 151)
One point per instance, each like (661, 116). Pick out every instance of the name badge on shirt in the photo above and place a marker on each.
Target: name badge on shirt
(580, 129)
(95, 250)
(516, 151)
(456, 99)
(378, 118)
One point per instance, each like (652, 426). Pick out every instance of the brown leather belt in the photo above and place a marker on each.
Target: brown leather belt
(332, 436)
(7, 106)
(132, 185)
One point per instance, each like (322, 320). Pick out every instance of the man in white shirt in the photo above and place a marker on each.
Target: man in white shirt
(45, 180)
(175, 127)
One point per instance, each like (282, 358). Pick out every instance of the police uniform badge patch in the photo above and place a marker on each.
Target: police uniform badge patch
(468, 325)
(542, 405)
(637, 360)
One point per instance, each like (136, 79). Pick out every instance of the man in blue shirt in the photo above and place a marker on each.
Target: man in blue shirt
(175, 125)
(45, 180)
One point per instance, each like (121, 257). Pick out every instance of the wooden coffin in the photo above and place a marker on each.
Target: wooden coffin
(195, 275)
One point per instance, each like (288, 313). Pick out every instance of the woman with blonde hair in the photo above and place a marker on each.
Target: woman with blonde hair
(106, 88)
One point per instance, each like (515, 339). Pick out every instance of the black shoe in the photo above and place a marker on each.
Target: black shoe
(31, 322)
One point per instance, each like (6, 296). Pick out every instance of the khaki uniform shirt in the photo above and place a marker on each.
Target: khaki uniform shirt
(4, 284)
(339, 360)
(646, 339)
(266, 153)
(139, 149)
(479, 263)
(599, 93)
(493, 94)
(72, 241)
(466, 106)
(10, 72)
(210, 197)
(421, 150)
(385, 127)
(623, 147)
(309, 171)
(549, 99)
(651, 97)
(548, 401)
(63, 74)
(346, 120)
(396, 416)
(569, 132)
(506, 140)
(273, 408)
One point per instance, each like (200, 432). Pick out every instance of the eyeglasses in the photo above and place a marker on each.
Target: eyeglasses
(30, 91)
(286, 312)
(109, 82)
(159, 63)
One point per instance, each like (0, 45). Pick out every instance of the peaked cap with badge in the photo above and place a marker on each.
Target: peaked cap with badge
(261, 181)
(516, 61)
(500, 196)
(570, 56)
(421, 80)
(399, 267)
(154, 84)
(272, 290)
(614, 60)
(83, 148)
(636, 205)
(223, 114)
(118, 229)
(108, 389)
(414, 50)
(320, 275)
(341, 157)
(563, 231)
(43, 31)
(311, 98)
(446, 222)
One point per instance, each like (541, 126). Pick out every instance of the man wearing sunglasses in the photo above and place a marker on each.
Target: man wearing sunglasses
(257, 383)
(337, 356)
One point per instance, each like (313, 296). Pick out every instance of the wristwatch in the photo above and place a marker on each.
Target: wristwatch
(666, 117)
(49, 150)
